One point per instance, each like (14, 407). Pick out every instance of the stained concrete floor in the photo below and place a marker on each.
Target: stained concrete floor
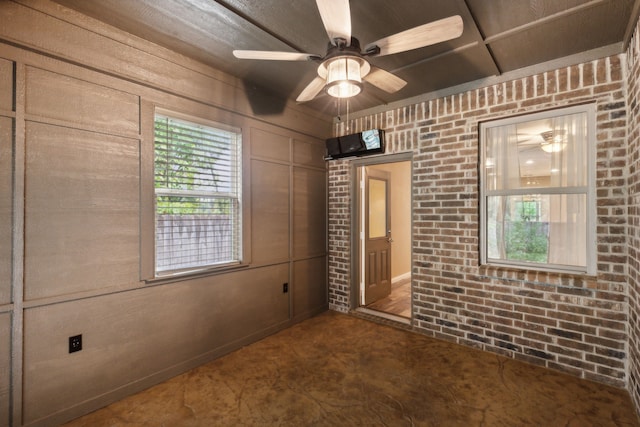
(340, 370)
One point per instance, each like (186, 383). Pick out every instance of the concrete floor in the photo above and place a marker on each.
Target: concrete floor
(340, 370)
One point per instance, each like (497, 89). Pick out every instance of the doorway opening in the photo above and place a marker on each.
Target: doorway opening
(383, 230)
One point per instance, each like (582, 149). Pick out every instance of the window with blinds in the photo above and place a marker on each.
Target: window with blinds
(197, 196)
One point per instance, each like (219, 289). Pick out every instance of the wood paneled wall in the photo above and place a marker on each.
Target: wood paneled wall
(76, 219)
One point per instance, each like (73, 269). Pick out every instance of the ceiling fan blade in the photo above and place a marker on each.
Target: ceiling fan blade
(336, 17)
(421, 36)
(386, 81)
(312, 89)
(272, 56)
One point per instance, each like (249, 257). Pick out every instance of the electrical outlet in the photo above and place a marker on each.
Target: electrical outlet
(285, 288)
(75, 343)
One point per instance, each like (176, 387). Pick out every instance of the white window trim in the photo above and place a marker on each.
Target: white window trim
(591, 267)
(204, 269)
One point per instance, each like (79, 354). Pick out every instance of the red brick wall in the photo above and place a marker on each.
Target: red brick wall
(633, 209)
(571, 323)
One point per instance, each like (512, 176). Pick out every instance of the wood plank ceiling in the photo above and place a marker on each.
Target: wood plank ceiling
(499, 36)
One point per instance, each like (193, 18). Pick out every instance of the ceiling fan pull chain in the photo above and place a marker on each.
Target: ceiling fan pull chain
(348, 124)
(338, 116)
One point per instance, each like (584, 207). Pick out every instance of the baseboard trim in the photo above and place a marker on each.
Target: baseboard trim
(401, 278)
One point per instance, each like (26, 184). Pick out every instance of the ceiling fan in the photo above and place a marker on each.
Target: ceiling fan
(550, 141)
(344, 66)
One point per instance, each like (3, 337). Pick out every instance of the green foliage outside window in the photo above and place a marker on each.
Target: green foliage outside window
(527, 239)
(183, 163)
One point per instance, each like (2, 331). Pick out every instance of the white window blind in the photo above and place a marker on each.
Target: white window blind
(197, 192)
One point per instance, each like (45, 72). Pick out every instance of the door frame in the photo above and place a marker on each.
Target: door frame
(354, 299)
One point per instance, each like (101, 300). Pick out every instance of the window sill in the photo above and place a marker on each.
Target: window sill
(194, 274)
(555, 276)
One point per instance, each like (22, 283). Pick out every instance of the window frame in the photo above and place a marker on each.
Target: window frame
(591, 205)
(241, 241)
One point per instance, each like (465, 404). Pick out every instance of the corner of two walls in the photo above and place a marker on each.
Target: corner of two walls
(633, 213)
(571, 323)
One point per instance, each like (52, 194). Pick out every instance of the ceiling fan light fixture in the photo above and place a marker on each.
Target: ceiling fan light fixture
(553, 142)
(344, 78)
(553, 147)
